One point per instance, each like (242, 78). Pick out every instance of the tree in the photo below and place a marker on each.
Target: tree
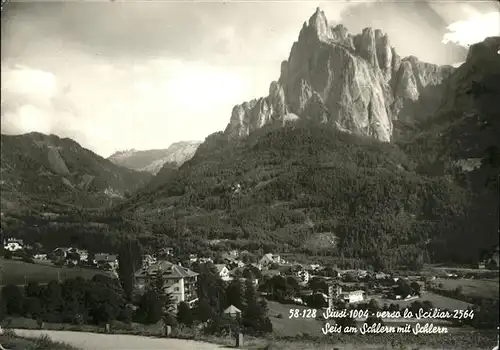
(211, 288)
(184, 314)
(427, 305)
(101, 313)
(13, 297)
(415, 306)
(318, 285)
(403, 288)
(371, 320)
(150, 308)
(126, 269)
(105, 301)
(204, 311)
(316, 301)
(33, 290)
(32, 307)
(234, 294)
(166, 301)
(52, 301)
(415, 287)
(3, 309)
(373, 306)
(254, 312)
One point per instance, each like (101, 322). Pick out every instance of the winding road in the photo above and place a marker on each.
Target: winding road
(97, 341)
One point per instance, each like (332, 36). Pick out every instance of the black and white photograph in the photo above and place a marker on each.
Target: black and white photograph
(261, 175)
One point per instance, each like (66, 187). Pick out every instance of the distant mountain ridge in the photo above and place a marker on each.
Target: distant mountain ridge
(152, 161)
(356, 82)
(44, 168)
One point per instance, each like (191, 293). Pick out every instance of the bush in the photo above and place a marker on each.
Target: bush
(170, 320)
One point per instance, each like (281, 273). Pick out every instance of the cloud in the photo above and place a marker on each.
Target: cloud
(109, 108)
(33, 100)
(473, 30)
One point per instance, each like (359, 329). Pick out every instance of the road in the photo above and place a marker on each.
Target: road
(96, 341)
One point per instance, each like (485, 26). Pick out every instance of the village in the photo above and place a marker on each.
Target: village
(276, 278)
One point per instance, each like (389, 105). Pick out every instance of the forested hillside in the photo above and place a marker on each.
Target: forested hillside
(38, 170)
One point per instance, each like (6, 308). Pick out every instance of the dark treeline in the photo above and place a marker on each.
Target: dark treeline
(103, 299)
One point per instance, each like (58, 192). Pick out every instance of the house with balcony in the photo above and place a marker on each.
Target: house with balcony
(180, 282)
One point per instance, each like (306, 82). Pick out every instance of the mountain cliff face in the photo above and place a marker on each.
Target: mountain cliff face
(471, 103)
(356, 82)
(467, 124)
(46, 168)
(153, 160)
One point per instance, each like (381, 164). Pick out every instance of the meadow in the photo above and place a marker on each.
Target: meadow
(284, 326)
(488, 288)
(438, 301)
(20, 272)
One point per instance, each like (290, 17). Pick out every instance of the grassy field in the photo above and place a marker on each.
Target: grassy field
(427, 342)
(472, 287)
(438, 301)
(20, 273)
(459, 269)
(285, 326)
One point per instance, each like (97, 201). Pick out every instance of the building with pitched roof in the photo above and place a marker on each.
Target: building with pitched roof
(223, 272)
(179, 281)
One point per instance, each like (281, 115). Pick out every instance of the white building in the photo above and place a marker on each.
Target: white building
(106, 261)
(179, 281)
(223, 272)
(269, 259)
(13, 245)
(352, 297)
(303, 276)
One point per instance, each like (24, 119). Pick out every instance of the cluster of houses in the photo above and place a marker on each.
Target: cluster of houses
(181, 281)
(67, 256)
(13, 245)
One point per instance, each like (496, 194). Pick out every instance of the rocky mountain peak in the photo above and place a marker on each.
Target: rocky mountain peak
(318, 24)
(356, 82)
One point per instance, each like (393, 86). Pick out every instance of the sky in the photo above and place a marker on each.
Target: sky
(144, 74)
